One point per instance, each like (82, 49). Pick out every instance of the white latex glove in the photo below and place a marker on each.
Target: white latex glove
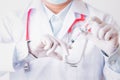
(47, 48)
(46, 45)
(105, 36)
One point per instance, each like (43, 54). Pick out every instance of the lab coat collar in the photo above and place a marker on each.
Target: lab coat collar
(39, 11)
(77, 6)
(61, 14)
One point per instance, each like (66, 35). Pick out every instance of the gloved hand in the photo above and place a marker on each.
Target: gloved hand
(104, 36)
(47, 47)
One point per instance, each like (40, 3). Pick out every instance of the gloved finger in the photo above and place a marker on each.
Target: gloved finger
(96, 19)
(41, 44)
(110, 34)
(94, 28)
(55, 43)
(103, 31)
(56, 55)
(52, 49)
(64, 47)
(41, 54)
(47, 42)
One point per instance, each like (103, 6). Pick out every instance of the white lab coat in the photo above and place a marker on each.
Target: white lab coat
(93, 65)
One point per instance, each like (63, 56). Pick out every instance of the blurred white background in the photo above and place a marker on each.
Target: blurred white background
(109, 6)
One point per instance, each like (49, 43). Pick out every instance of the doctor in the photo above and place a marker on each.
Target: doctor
(59, 40)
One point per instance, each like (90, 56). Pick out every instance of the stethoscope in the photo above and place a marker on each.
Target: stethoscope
(69, 31)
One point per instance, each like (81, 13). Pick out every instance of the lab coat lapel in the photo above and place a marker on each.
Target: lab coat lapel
(40, 23)
(78, 6)
(45, 24)
(45, 21)
(67, 23)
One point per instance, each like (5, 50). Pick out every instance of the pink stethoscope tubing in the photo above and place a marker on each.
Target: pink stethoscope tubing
(27, 25)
